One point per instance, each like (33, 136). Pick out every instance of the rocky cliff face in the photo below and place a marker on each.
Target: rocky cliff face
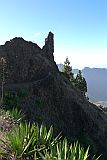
(51, 98)
(26, 61)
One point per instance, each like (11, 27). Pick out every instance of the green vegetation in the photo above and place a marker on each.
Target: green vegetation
(79, 81)
(64, 151)
(68, 69)
(21, 140)
(16, 115)
(29, 141)
(13, 99)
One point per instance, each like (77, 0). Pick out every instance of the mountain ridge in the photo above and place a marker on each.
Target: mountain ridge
(53, 101)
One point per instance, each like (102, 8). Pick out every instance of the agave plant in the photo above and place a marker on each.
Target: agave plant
(16, 115)
(64, 151)
(29, 140)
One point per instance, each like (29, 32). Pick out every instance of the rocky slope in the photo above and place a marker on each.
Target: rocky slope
(50, 98)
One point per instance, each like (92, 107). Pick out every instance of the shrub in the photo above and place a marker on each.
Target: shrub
(64, 151)
(13, 99)
(16, 115)
(28, 140)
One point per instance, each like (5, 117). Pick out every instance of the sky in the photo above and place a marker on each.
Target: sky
(79, 27)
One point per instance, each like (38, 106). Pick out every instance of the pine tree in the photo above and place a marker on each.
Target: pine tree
(80, 82)
(68, 69)
(84, 85)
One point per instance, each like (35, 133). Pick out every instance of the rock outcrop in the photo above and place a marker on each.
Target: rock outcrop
(51, 98)
(26, 61)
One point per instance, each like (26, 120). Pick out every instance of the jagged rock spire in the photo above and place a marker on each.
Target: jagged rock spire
(48, 48)
(49, 42)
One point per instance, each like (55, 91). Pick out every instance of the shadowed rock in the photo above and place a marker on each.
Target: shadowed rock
(51, 98)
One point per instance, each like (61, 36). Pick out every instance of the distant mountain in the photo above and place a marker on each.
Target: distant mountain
(60, 66)
(101, 103)
(97, 83)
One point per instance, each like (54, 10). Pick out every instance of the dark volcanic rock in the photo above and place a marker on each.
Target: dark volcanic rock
(26, 61)
(51, 98)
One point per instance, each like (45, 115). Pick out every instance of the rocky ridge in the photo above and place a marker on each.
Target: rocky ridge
(51, 98)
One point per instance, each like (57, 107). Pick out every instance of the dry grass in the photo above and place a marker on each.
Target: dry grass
(6, 124)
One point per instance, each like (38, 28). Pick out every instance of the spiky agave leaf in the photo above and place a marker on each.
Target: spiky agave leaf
(64, 151)
(16, 115)
(29, 140)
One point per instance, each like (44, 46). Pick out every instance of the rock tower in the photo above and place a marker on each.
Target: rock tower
(48, 48)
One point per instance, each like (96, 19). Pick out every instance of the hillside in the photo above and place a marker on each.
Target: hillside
(50, 97)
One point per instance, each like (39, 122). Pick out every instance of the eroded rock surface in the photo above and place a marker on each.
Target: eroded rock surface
(51, 98)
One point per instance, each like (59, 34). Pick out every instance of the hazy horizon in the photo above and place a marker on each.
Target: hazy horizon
(83, 67)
